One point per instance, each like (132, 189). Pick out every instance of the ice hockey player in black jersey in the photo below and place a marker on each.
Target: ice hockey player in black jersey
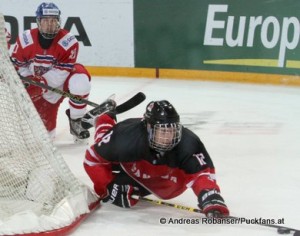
(156, 155)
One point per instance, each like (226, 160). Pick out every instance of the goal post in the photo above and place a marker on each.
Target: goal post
(38, 192)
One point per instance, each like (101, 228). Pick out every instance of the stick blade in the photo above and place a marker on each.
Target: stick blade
(131, 103)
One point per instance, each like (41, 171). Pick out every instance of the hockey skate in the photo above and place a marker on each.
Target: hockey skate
(80, 134)
(108, 106)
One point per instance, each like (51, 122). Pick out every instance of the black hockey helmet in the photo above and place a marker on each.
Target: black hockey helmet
(161, 112)
(163, 125)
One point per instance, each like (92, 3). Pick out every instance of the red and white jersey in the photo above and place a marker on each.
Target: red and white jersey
(54, 64)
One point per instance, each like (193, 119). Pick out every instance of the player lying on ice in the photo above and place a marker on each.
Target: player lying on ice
(153, 155)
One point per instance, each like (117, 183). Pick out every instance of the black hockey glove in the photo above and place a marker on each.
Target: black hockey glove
(212, 204)
(121, 195)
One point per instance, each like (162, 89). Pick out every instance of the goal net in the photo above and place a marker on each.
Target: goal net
(38, 192)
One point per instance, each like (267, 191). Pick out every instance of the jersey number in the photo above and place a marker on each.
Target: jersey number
(73, 54)
(200, 157)
(106, 138)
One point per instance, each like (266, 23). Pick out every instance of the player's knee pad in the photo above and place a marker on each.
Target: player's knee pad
(79, 84)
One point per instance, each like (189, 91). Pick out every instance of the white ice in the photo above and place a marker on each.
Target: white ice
(252, 133)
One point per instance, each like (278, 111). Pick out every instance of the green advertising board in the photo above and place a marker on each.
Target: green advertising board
(243, 36)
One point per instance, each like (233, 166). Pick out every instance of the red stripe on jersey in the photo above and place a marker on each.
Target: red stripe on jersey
(76, 105)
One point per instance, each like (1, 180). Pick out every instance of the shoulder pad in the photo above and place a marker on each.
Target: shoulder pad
(26, 39)
(67, 41)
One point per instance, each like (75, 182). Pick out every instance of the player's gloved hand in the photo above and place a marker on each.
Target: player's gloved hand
(108, 107)
(25, 83)
(122, 195)
(212, 204)
(33, 90)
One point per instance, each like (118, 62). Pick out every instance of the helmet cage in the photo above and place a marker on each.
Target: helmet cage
(164, 137)
(50, 32)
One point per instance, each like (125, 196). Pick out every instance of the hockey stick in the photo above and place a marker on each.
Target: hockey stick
(129, 104)
(87, 121)
(56, 90)
(280, 229)
(159, 202)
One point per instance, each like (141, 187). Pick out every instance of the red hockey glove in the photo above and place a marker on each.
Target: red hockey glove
(212, 204)
(121, 195)
(33, 90)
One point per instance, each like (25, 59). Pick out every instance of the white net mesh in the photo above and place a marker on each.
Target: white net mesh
(36, 185)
